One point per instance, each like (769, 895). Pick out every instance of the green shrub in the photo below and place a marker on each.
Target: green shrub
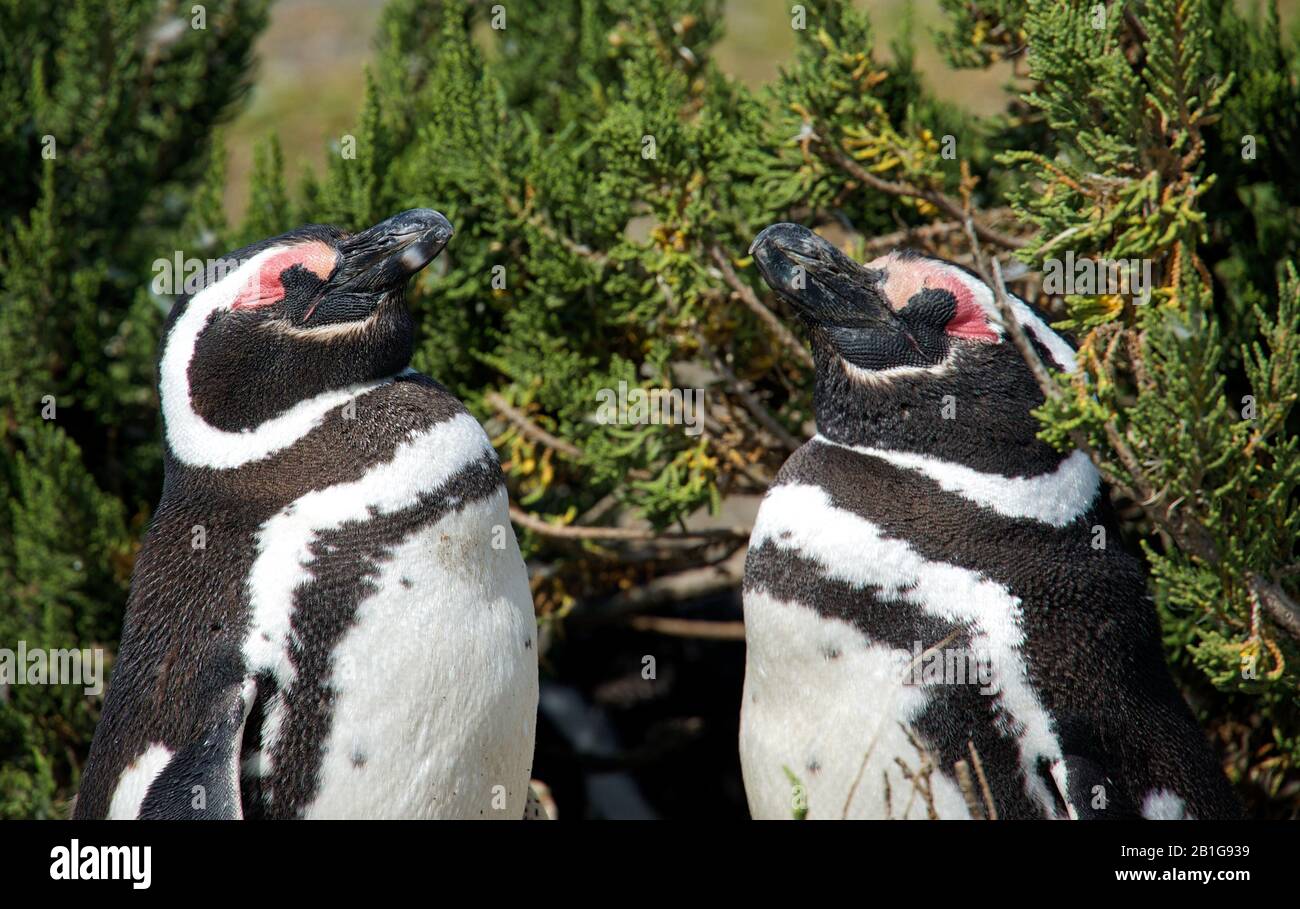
(606, 178)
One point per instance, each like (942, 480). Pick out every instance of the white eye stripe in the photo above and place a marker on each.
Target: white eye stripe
(195, 441)
(882, 377)
(325, 332)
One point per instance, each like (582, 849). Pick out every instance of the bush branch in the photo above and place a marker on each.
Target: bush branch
(689, 628)
(939, 200)
(622, 534)
(528, 428)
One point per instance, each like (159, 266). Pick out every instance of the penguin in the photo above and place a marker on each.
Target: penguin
(940, 618)
(329, 616)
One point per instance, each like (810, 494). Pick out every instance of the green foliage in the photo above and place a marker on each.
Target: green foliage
(108, 110)
(839, 96)
(612, 263)
(980, 34)
(596, 178)
(1164, 122)
(268, 210)
(605, 179)
(585, 202)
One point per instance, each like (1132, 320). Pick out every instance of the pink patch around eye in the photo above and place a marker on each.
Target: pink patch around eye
(905, 278)
(970, 320)
(264, 288)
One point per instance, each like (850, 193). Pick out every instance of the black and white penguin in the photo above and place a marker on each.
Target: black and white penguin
(329, 615)
(940, 618)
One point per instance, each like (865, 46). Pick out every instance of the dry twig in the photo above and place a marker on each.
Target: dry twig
(623, 534)
(689, 628)
(939, 200)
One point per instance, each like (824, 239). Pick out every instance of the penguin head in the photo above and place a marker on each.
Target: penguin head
(911, 353)
(289, 318)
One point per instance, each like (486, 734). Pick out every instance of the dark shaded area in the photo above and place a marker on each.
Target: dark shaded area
(613, 744)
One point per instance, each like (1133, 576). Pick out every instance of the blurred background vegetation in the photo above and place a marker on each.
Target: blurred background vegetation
(1115, 140)
(310, 58)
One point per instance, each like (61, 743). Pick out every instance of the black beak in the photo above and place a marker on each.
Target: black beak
(387, 254)
(824, 285)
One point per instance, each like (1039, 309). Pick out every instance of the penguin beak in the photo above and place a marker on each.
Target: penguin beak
(383, 257)
(375, 264)
(825, 286)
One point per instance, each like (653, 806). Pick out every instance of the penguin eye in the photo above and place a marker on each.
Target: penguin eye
(932, 306)
(952, 303)
(267, 286)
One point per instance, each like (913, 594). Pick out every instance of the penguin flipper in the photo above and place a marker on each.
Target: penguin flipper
(201, 781)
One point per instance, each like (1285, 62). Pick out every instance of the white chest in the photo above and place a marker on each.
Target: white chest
(823, 721)
(827, 710)
(436, 682)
